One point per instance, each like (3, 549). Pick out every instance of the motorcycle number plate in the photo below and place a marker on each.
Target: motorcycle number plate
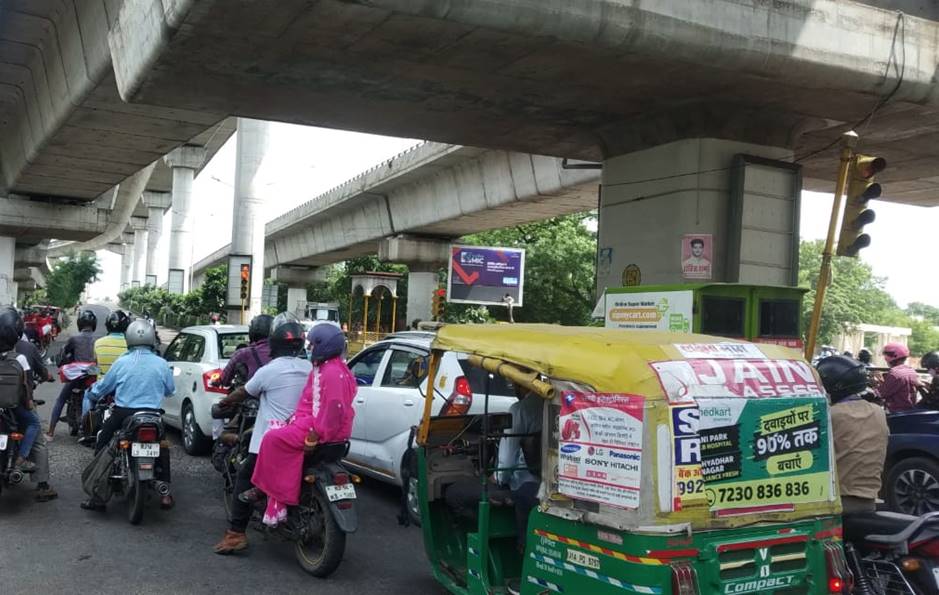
(145, 449)
(343, 492)
(3, 441)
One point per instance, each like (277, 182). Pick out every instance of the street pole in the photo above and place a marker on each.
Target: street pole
(848, 142)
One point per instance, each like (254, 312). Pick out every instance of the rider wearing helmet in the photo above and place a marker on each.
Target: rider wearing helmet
(278, 386)
(323, 417)
(139, 380)
(901, 382)
(864, 356)
(113, 345)
(25, 411)
(79, 350)
(246, 361)
(930, 392)
(859, 431)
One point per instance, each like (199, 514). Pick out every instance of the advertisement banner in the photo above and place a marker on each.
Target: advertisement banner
(753, 455)
(487, 276)
(688, 482)
(650, 310)
(688, 379)
(600, 451)
(697, 254)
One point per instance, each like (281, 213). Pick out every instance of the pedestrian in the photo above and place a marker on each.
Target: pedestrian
(901, 382)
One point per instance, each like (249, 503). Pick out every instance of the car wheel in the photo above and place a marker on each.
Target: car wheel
(412, 487)
(913, 486)
(194, 441)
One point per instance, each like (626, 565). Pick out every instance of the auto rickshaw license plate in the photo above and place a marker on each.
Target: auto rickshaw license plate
(343, 492)
(3, 441)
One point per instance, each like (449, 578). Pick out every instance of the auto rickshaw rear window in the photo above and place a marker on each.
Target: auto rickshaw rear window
(779, 318)
(722, 316)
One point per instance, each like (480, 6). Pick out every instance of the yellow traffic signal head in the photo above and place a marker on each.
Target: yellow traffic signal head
(861, 189)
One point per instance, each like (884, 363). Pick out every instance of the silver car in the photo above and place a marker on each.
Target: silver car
(197, 357)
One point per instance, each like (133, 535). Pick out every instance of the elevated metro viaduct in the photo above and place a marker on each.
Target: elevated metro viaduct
(668, 96)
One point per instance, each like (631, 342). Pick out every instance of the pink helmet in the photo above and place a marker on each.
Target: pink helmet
(895, 351)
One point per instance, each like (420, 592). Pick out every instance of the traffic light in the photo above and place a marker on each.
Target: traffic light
(245, 280)
(861, 189)
(439, 299)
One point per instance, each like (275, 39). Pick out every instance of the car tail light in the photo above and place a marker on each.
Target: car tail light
(340, 479)
(461, 399)
(147, 434)
(928, 549)
(210, 381)
(684, 579)
(840, 578)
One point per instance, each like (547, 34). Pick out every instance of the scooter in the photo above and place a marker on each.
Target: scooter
(326, 513)
(890, 553)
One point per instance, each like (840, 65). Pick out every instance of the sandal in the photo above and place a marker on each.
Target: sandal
(252, 496)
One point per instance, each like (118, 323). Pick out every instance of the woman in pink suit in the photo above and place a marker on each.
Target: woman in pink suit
(324, 415)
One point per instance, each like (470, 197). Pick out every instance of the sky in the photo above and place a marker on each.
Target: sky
(303, 162)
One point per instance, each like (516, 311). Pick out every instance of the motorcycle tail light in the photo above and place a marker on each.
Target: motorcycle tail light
(16, 436)
(147, 434)
(340, 479)
(344, 504)
(684, 579)
(840, 578)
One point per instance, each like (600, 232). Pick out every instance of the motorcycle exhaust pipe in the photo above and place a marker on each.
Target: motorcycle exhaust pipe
(16, 476)
(162, 488)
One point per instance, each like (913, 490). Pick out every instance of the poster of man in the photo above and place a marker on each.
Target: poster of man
(696, 255)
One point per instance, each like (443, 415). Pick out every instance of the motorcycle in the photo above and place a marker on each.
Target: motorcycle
(135, 468)
(326, 512)
(9, 446)
(82, 377)
(890, 553)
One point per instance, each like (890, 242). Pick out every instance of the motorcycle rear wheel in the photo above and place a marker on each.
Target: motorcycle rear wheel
(320, 554)
(135, 498)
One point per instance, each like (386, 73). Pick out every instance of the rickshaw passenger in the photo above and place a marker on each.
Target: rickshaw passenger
(524, 480)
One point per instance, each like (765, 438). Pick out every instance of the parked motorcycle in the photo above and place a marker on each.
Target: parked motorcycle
(326, 513)
(890, 553)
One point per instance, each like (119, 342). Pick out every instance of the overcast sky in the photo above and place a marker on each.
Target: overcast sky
(303, 162)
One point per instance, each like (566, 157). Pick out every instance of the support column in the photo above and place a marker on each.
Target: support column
(127, 265)
(138, 278)
(297, 278)
(424, 258)
(295, 297)
(247, 236)
(742, 199)
(184, 161)
(7, 282)
(157, 203)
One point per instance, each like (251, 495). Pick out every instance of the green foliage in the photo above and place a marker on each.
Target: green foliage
(37, 296)
(928, 313)
(925, 337)
(560, 267)
(69, 277)
(190, 308)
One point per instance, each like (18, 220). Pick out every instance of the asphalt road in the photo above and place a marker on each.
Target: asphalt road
(56, 547)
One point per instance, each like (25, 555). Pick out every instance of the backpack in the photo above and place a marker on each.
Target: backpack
(12, 381)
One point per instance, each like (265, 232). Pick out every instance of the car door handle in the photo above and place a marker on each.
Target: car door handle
(360, 400)
(408, 403)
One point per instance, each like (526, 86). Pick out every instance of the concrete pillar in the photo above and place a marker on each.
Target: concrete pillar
(295, 295)
(742, 197)
(127, 265)
(157, 203)
(184, 161)
(7, 283)
(247, 234)
(424, 258)
(138, 278)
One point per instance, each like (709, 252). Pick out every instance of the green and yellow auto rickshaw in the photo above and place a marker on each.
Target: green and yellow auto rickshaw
(668, 463)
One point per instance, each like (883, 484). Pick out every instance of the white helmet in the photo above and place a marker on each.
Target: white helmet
(139, 333)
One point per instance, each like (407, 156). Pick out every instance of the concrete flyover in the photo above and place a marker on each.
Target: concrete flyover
(578, 78)
(431, 191)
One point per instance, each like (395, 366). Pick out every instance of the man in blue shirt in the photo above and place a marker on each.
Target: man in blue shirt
(139, 379)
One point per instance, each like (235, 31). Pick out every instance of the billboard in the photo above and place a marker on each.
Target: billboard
(485, 275)
(650, 310)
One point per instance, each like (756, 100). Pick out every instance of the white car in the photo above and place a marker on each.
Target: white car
(391, 375)
(197, 357)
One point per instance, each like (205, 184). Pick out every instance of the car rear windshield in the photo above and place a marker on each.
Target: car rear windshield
(498, 386)
(228, 343)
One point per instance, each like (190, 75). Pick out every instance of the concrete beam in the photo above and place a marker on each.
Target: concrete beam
(414, 251)
(298, 276)
(31, 220)
(157, 200)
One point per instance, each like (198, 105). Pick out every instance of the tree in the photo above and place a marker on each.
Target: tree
(69, 277)
(560, 267)
(855, 295)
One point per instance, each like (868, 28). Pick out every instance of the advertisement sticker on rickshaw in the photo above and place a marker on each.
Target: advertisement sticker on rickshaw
(600, 447)
(688, 482)
(751, 378)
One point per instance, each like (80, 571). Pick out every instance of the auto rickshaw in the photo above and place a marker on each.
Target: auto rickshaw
(668, 464)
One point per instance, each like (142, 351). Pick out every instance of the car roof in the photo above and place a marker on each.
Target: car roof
(410, 339)
(223, 329)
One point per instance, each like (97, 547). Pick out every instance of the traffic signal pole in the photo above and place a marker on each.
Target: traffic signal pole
(849, 141)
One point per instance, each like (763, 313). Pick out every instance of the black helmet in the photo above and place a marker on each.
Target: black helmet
(260, 327)
(864, 355)
(87, 319)
(10, 321)
(286, 337)
(930, 361)
(842, 376)
(117, 322)
(19, 324)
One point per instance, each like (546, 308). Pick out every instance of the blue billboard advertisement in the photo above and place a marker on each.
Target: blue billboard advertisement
(485, 275)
